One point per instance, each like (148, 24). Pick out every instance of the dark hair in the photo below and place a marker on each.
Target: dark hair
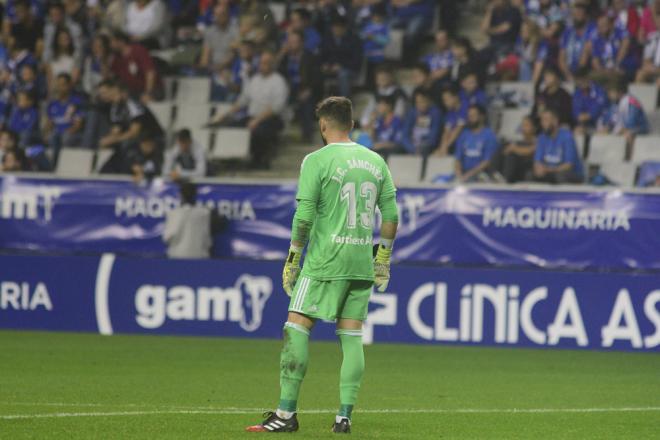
(387, 99)
(56, 44)
(337, 109)
(24, 3)
(619, 86)
(28, 94)
(379, 9)
(339, 20)
(121, 36)
(450, 89)
(304, 13)
(65, 76)
(55, 5)
(424, 94)
(110, 83)
(385, 68)
(552, 111)
(423, 67)
(582, 72)
(479, 108)
(184, 135)
(188, 191)
(553, 70)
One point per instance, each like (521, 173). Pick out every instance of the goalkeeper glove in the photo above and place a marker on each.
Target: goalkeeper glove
(382, 265)
(291, 269)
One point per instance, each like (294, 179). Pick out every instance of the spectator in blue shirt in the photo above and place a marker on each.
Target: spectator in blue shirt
(609, 50)
(65, 116)
(556, 159)
(342, 55)
(301, 21)
(455, 116)
(387, 128)
(440, 60)
(24, 119)
(421, 130)
(376, 35)
(475, 147)
(625, 115)
(471, 93)
(415, 17)
(589, 102)
(574, 39)
(29, 81)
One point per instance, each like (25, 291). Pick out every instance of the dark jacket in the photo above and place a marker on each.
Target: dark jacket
(309, 74)
(347, 51)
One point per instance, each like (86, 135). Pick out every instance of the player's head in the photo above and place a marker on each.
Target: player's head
(335, 115)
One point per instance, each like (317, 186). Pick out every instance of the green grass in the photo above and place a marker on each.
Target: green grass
(183, 384)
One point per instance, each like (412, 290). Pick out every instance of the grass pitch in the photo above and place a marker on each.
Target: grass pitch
(79, 386)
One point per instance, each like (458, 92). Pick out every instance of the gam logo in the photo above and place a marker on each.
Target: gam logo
(243, 303)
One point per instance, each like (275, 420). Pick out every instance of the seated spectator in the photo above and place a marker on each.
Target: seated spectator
(556, 159)
(301, 21)
(625, 115)
(218, 40)
(227, 86)
(186, 159)
(440, 60)
(341, 55)
(531, 51)
(475, 147)
(97, 63)
(609, 50)
(387, 128)
(134, 67)
(422, 81)
(146, 22)
(552, 96)
(57, 19)
(649, 21)
(24, 119)
(415, 17)
(516, 158)
(19, 57)
(26, 30)
(385, 86)
(265, 97)
(548, 15)
(14, 160)
(301, 69)
(589, 102)
(8, 141)
(63, 59)
(65, 116)
(375, 35)
(501, 24)
(464, 59)
(574, 39)
(625, 17)
(455, 116)
(422, 126)
(146, 162)
(29, 81)
(649, 174)
(130, 121)
(471, 93)
(650, 69)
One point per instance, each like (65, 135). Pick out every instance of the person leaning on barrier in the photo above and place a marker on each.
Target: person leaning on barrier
(189, 228)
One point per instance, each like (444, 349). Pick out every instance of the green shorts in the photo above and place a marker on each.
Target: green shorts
(330, 300)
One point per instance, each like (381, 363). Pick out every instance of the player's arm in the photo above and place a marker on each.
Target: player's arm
(390, 215)
(309, 186)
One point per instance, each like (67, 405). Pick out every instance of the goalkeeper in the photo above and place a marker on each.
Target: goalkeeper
(339, 188)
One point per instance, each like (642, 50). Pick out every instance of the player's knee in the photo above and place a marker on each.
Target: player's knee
(297, 318)
(349, 324)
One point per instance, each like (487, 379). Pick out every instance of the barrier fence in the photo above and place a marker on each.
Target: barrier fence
(594, 229)
(423, 304)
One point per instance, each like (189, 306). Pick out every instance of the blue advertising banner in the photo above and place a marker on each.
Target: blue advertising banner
(459, 225)
(234, 298)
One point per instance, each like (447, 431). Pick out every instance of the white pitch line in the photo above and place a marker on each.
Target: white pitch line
(244, 411)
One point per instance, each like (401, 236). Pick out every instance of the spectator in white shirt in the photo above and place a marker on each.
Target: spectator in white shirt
(186, 159)
(218, 39)
(145, 22)
(188, 228)
(650, 70)
(56, 20)
(264, 97)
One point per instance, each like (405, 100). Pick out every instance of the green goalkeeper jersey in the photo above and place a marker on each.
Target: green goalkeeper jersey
(346, 182)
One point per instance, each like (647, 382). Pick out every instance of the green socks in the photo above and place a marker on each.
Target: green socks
(293, 365)
(352, 369)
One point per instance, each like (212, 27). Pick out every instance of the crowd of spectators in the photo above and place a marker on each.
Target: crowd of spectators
(83, 74)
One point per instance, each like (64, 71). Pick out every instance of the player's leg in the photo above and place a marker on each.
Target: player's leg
(293, 365)
(293, 362)
(349, 331)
